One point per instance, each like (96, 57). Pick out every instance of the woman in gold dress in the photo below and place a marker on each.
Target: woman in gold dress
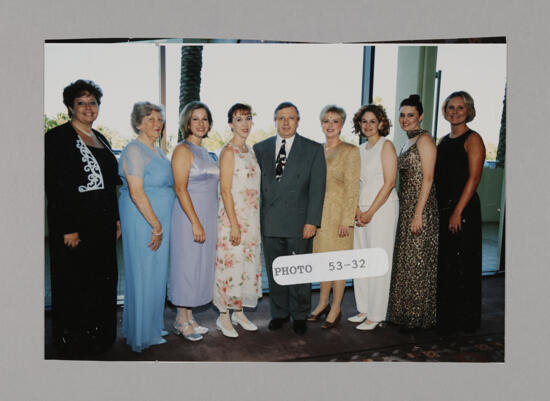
(341, 195)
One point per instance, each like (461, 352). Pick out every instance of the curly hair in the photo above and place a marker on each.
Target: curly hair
(379, 112)
(79, 88)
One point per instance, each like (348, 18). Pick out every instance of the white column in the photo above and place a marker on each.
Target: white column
(416, 68)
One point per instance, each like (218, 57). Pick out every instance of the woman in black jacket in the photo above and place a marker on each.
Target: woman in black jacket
(81, 179)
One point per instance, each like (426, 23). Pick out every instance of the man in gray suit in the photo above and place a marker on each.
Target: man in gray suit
(292, 195)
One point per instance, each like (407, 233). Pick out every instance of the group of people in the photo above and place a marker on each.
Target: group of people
(193, 229)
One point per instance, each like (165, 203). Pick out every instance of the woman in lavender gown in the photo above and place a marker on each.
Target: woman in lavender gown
(194, 221)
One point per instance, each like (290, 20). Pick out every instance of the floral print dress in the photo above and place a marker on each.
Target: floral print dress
(238, 273)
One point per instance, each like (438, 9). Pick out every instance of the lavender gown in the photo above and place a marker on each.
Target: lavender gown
(191, 263)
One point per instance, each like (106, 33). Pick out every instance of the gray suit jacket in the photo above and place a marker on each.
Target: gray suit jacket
(296, 199)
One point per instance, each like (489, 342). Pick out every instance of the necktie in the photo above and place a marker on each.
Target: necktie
(281, 160)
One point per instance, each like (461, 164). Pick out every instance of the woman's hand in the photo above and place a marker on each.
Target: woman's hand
(235, 235)
(156, 239)
(140, 199)
(416, 224)
(365, 218)
(455, 222)
(343, 231)
(198, 233)
(71, 240)
(118, 230)
(309, 231)
(358, 218)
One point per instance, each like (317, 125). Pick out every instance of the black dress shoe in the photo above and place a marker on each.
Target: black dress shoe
(315, 317)
(277, 323)
(300, 327)
(329, 325)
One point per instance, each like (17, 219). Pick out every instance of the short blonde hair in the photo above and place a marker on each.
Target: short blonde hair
(332, 108)
(468, 101)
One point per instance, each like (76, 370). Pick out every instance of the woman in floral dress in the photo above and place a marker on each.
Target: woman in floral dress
(238, 256)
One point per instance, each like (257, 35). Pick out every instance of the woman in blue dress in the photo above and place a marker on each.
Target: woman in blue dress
(194, 221)
(145, 203)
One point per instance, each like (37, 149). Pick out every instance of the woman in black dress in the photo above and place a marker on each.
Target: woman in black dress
(81, 178)
(460, 158)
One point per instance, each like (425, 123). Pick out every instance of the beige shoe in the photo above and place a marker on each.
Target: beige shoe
(245, 323)
(231, 333)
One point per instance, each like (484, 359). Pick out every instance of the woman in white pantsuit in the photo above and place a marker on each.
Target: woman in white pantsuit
(377, 213)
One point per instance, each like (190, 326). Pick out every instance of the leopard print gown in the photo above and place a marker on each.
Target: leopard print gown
(414, 272)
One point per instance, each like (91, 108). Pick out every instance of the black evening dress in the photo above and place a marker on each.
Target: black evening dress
(81, 195)
(459, 271)
(414, 274)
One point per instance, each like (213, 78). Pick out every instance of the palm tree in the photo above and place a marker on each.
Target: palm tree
(190, 81)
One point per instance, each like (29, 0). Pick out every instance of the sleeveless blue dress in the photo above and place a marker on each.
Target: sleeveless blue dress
(191, 263)
(145, 270)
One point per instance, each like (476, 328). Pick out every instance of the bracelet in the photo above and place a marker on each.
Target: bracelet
(154, 233)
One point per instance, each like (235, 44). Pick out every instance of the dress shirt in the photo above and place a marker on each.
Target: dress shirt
(288, 145)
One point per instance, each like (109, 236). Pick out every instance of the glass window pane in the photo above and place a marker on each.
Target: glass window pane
(310, 76)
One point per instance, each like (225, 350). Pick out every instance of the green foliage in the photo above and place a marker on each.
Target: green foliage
(490, 151)
(59, 119)
(258, 135)
(216, 140)
(116, 140)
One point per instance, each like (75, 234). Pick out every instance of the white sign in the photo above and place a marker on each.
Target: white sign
(330, 266)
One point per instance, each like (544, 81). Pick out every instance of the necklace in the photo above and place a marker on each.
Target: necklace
(413, 133)
(84, 132)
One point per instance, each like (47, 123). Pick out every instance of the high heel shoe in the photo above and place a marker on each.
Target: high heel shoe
(329, 325)
(359, 318)
(315, 316)
(367, 325)
(245, 324)
(231, 333)
(180, 327)
(198, 329)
